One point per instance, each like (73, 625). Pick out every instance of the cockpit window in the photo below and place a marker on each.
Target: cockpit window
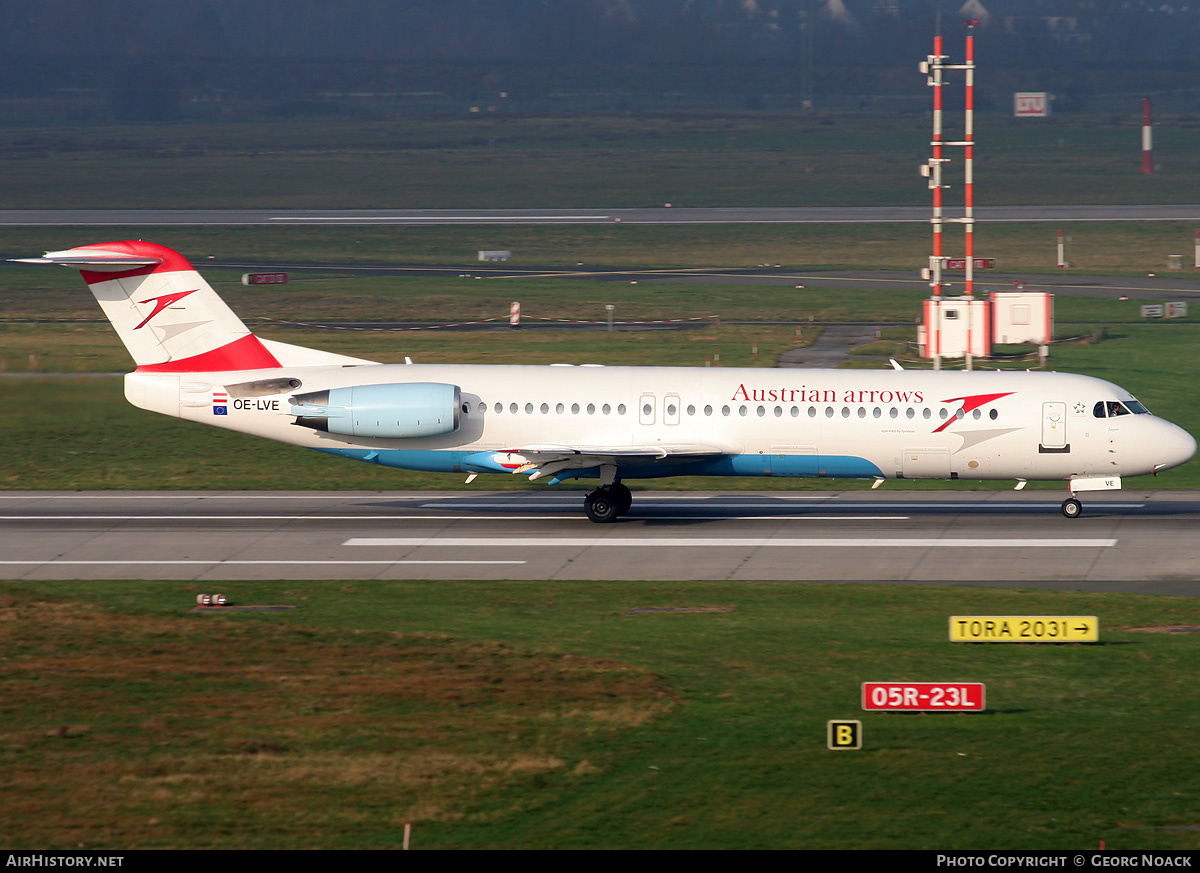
(1113, 408)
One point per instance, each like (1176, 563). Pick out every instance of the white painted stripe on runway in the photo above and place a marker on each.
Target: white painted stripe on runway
(637, 504)
(727, 542)
(510, 517)
(559, 500)
(438, 218)
(222, 561)
(221, 496)
(772, 503)
(365, 517)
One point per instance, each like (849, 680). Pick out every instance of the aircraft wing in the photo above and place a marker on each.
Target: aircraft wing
(549, 459)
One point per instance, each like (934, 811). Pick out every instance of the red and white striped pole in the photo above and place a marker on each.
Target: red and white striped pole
(969, 193)
(1147, 144)
(936, 167)
(969, 163)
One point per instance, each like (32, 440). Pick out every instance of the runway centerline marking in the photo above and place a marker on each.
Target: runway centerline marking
(515, 515)
(726, 542)
(221, 561)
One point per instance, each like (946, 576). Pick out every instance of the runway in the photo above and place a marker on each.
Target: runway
(586, 215)
(1131, 541)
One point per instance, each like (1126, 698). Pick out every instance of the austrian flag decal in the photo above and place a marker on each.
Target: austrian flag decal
(220, 402)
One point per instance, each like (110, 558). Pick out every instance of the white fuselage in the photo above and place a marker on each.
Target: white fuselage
(837, 423)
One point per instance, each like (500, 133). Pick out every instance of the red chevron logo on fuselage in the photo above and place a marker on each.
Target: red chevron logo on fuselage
(970, 403)
(161, 303)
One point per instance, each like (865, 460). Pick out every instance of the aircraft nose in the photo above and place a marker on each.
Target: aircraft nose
(1175, 447)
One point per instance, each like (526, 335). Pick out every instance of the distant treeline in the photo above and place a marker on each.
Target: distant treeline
(150, 59)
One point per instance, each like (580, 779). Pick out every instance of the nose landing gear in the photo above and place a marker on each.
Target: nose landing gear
(608, 503)
(1072, 508)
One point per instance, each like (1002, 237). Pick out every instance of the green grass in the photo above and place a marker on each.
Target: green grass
(748, 159)
(1122, 248)
(542, 715)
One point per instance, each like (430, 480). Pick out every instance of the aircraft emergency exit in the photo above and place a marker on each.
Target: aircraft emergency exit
(196, 360)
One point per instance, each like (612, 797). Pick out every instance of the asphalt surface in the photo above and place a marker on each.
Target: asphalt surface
(1131, 541)
(650, 215)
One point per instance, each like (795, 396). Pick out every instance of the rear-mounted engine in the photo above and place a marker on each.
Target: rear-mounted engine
(395, 411)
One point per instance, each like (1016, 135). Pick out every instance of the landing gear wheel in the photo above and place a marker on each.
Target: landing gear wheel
(1072, 508)
(600, 506)
(621, 496)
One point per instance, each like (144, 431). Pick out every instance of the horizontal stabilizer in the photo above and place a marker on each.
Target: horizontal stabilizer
(94, 260)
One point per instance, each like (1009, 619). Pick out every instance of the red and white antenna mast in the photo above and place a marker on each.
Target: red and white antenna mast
(969, 162)
(1147, 140)
(934, 67)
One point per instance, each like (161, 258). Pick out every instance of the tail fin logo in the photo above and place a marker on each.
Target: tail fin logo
(161, 303)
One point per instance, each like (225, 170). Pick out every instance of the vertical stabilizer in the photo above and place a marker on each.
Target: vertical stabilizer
(169, 318)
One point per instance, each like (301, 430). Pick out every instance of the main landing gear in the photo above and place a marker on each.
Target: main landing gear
(608, 503)
(1072, 508)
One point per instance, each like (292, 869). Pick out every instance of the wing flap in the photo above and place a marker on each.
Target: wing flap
(550, 460)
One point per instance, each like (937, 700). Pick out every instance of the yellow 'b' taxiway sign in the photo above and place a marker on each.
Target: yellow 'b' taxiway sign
(1024, 629)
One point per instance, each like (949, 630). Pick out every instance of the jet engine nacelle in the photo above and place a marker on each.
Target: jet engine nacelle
(395, 411)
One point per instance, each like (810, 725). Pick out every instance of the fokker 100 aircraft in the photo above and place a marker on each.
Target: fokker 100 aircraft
(196, 360)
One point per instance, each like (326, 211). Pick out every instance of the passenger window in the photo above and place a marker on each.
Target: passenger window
(845, 412)
(606, 409)
(724, 410)
(575, 409)
(591, 407)
(778, 411)
(762, 410)
(893, 412)
(560, 409)
(829, 412)
(795, 411)
(708, 410)
(862, 412)
(812, 412)
(691, 409)
(621, 409)
(545, 407)
(499, 408)
(910, 412)
(529, 409)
